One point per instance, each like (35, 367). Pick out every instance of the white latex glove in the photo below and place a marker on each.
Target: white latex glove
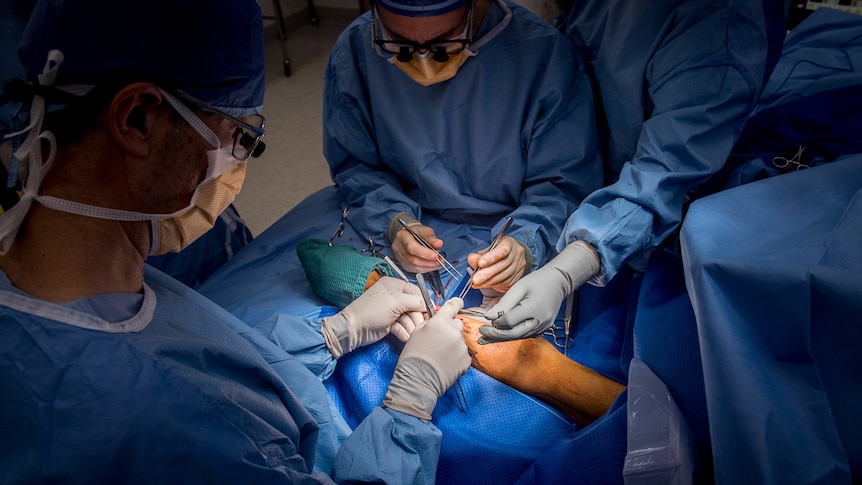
(432, 360)
(390, 305)
(531, 305)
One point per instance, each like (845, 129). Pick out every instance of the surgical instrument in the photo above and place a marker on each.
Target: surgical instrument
(372, 250)
(432, 310)
(567, 320)
(472, 313)
(494, 243)
(554, 332)
(340, 230)
(437, 285)
(429, 304)
(449, 267)
(794, 161)
(395, 268)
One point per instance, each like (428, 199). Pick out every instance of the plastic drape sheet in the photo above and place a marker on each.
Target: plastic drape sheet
(668, 430)
(778, 296)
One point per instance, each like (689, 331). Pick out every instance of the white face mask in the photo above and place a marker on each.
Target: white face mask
(170, 232)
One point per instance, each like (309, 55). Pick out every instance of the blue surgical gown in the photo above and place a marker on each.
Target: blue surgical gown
(513, 133)
(180, 392)
(674, 81)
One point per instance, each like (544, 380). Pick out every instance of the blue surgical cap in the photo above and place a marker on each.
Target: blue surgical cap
(421, 8)
(211, 49)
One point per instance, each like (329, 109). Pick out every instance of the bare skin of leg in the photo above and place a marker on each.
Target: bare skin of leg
(535, 367)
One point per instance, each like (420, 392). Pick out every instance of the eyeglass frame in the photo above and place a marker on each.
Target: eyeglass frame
(257, 147)
(428, 46)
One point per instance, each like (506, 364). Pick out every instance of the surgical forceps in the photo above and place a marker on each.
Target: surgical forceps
(449, 267)
(494, 243)
(432, 310)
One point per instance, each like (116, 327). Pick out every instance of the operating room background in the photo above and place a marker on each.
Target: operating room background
(293, 166)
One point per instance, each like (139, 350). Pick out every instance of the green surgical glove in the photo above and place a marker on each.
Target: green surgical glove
(390, 305)
(531, 305)
(431, 361)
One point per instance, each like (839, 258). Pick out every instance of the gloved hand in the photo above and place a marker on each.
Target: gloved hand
(409, 253)
(434, 357)
(529, 308)
(501, 267)
(390, 305)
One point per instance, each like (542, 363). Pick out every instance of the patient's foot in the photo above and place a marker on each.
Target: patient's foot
(517, 363)
(535, 367)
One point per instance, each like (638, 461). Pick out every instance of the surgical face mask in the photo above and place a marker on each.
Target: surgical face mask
(213, 195)
(422, 67)
(426, 71)
(170, 232)
(176, 231)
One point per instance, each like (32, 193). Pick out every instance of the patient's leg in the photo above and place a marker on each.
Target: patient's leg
(535, 367)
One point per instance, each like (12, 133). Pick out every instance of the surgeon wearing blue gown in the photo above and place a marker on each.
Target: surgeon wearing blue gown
(674, 82)
(113, 372)
(459, 113)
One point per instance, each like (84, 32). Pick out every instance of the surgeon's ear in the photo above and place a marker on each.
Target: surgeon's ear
(132, 114)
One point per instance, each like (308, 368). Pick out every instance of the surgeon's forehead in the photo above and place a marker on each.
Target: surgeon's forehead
(423, 29)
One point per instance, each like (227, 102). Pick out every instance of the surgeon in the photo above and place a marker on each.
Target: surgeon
(113, 372)
(451, 115)
(192, 265)
(674, 82)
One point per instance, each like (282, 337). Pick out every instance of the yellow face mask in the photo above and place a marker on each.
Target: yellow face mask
(423, 67)
(426, 71)
(177, 231)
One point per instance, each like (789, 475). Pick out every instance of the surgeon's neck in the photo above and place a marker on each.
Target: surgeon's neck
(63, 257)
(480, 8)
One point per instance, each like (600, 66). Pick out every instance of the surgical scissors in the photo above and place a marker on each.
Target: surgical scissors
(795, 160)
(432, 310)
(340, 230)
(494, 243)
(437, 285)
(372, 249)
(449, 267)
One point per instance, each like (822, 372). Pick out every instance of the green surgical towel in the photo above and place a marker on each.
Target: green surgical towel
(338, 273)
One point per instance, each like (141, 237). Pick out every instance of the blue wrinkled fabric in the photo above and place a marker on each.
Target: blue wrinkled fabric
(196, 396)
(513, 133)
(778, 294)
(265, 285)
(675, 82)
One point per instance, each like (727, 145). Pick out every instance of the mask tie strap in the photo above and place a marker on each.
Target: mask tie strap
(31, 150)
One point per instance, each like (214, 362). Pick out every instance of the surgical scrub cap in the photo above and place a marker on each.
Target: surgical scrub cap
(421, 8)
(211, 49)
